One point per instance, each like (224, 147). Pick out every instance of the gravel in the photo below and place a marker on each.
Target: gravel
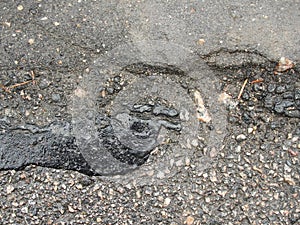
(252, 178)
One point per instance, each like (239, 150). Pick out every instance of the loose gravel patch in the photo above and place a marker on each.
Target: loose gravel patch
(253, 180)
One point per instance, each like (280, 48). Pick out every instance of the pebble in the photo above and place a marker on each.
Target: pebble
(280, 89)
(241, 137)
(187, 161)
(271, 88)
(167, 202)
(213, 176)
(297, 94)
(292, 113)
(238, 149)
(138, 194)
(9, 189)
(56, 97)
(280, 106)
(184, 115)
(70, 208)
(250, 130)
(268, 103)
(43, 83)
(189, 220)
(288, 95)
(20, 7)
(31, 41)
(289, 180)
(121, 190)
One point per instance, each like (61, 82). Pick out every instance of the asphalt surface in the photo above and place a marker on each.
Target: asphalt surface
(224, 149)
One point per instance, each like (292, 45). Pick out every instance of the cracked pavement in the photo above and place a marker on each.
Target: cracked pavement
(47, 49)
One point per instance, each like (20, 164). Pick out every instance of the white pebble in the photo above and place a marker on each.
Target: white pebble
(20, 7)
(241, 137)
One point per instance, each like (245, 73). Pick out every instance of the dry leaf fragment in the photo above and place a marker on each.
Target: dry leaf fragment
(202, 113)
(284, 64)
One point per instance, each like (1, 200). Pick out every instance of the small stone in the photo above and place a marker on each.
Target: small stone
(31, 41)
(213, 152)
(297, 94)
(245, 208)
(121, 190)
(245, 96)
(111, 192)
(222, 193)
(138, 194)
(201, 41)
(24, 209)
(23, 176)
(100, 195)
(160, 198)
(292, 113)
(250, 130)
(184, 115)
(268, 102)
(70, 209)
(241, 137)
(288, 179)
(9, 189)
(189, 220)
(20, 7)
(288, 95)
(79, 186)
(187, 161)
(287, 168)
(164, 213)
(207, 199)
(280, 89)
(56, 97)
(179, 163)
(271, 88)
(238, 149)
(194, 142)
(213, 176)
(160, 175)
(167, 202)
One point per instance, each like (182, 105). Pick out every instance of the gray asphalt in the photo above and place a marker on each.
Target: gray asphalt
(244, 182)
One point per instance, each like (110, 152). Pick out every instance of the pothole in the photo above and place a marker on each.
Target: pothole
(143, 112)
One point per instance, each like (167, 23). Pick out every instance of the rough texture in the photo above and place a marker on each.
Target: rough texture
(46, 50)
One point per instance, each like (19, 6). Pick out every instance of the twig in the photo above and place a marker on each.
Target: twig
(242, 89)
(8, 89)
(33, 77)
(259, 80)
(4, 88)
(19, 84)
